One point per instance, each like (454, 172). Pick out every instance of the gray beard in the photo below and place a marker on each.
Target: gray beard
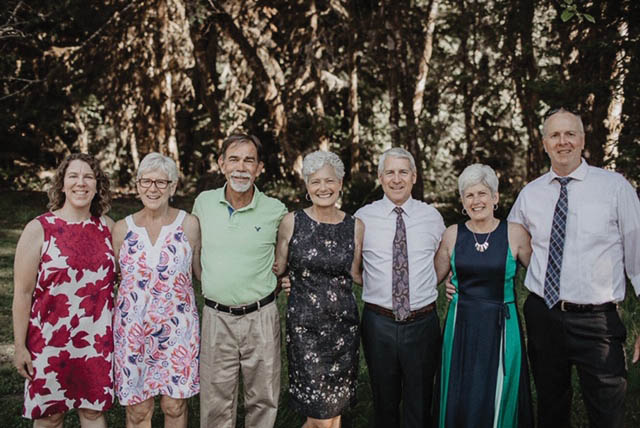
(240, 188)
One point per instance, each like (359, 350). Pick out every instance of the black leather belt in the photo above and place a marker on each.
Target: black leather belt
(565, 306)
(579, 307)
(414, 315)
(241, 310)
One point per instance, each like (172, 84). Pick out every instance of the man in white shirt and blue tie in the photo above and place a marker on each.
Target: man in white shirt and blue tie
(585, 233)
(400, 328)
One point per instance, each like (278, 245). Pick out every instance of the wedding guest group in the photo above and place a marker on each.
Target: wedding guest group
(575, 230)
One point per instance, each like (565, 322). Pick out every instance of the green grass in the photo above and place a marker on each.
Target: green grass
(17, 208)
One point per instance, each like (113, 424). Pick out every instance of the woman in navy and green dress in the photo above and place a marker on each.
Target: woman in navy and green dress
(484, 380)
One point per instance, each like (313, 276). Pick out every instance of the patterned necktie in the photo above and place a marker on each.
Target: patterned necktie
(556, 246)
(400, 268)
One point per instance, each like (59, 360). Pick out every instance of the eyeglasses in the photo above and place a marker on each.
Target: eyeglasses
(160, 183)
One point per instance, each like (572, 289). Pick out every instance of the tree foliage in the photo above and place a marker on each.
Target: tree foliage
(453, 81)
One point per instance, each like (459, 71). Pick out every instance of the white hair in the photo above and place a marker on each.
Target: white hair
(478, 174)
(313, 162)
(396, 152)
(561, 110)
(157, 162)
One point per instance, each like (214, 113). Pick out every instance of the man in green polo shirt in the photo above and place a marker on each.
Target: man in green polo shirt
(240, 321)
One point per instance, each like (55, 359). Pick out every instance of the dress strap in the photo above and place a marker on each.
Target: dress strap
(179, 219)
(130, 223)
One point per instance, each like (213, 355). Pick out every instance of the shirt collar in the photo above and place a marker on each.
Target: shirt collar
(406, 207)
(578, 174)
(252, 204)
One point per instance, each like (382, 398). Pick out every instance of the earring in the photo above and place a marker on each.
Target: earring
(340, 193)
(464, 212)
(495, 207)
(307, 197)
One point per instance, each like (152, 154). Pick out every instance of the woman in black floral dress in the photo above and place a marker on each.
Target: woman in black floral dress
(322, 248)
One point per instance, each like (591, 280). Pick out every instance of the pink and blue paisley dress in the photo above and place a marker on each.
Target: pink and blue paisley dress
(155, 324)
(69, 335)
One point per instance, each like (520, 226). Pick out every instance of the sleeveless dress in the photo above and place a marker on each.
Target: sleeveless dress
(69, 335)
(156, 333)
(322, 318)
(484, 375)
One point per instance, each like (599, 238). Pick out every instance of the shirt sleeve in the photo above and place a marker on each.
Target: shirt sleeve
(196, 207)
(283, 212)
(629, 226)
(516, 215)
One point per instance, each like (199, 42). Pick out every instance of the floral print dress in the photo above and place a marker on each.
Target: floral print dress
(69, 335)
(322, 318)
(156, 331)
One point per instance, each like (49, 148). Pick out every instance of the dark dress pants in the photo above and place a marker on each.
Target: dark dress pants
(402, 359)
(593, 342)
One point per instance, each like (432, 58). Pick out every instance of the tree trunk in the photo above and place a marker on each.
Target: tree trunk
(525, 72)
(354, 128)
(266, 74)
(425, 59)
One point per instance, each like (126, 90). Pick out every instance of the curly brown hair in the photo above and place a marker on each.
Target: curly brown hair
(101, 202)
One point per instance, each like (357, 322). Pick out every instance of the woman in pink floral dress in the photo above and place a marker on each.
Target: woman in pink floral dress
(63, 300)
(156, 319)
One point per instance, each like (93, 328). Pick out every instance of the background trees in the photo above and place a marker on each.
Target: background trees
(453, 81)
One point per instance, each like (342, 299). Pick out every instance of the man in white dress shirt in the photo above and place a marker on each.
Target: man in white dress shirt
(577, 323)
(400, 328)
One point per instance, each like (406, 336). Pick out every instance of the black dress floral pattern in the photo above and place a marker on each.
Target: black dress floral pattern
(322, 318)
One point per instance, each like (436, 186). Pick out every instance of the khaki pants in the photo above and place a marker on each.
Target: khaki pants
(231, 343)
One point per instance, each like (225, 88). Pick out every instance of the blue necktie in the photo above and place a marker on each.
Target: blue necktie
(556, 246)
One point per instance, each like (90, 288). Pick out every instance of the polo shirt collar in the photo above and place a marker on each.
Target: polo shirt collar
(578, 174)
(389, 206)
(252, 204)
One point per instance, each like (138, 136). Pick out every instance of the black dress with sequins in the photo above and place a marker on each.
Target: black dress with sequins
(322, 318)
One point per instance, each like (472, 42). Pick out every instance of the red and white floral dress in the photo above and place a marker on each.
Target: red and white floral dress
(156, 329)
(69, 336)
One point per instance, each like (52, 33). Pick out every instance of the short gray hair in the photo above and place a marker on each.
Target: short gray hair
(313, 162)
(561, 110)
(396, 152)
(478, 174)
(157, 162)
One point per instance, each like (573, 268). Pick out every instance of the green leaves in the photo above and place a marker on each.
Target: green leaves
(571, 10)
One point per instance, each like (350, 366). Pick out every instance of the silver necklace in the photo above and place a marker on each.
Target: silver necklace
(481, 248)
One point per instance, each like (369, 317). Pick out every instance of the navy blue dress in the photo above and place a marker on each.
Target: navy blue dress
(322, 318)
(484, 375)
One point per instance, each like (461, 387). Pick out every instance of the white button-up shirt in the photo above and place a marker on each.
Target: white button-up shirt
(424, 228)
(602, 236)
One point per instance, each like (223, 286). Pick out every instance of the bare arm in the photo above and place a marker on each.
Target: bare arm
(442, 260)
(110, 222)
(25, 272)
(191, 227)
(285, 231)
(356, 267)
(117, 238)
(520, 243)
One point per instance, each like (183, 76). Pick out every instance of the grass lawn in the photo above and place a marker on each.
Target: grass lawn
(17, 208)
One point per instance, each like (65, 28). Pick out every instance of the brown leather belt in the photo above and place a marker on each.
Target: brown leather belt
(414, 315)
(241, 310)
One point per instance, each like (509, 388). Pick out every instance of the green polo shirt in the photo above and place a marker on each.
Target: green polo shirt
(238, 246)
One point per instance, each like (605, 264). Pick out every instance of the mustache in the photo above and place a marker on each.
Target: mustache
(240, 175)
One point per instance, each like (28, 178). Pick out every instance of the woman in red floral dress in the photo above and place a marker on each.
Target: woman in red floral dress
(63, 300)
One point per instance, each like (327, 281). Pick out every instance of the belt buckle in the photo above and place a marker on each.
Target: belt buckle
(404, 321)
(562, 308)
